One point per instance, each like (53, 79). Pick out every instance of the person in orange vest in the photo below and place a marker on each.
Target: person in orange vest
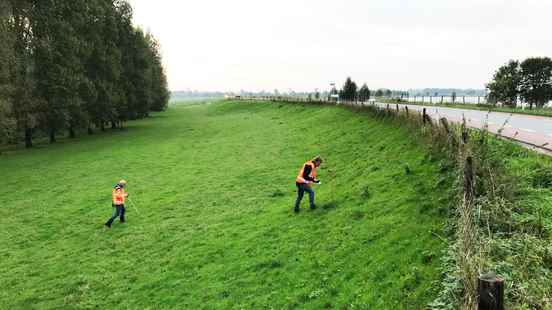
(118, 201)
(307, 176)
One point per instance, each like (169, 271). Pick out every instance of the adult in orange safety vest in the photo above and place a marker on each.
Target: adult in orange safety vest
(118, 197)
(307, 175)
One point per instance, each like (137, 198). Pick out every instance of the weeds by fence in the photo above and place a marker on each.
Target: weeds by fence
(489, 219)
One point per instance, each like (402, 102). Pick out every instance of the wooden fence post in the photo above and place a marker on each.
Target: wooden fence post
(397, 108)
(406, 109)
(465, 132)
(468, 179)
(490, 289)
(445, 125)
(424, 116)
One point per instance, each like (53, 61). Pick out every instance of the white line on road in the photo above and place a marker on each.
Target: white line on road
(528, 130)
(550, 134)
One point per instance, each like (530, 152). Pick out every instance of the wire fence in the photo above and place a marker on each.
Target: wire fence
(446, 99)
(429, 100)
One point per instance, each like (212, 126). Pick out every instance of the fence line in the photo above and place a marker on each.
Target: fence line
(429, 100)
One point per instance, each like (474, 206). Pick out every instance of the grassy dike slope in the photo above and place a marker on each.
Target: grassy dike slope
(215, 187)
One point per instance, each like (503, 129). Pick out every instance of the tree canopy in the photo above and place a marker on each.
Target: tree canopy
(505, 84)
(536, 81)
(349, 90)
(364, 93)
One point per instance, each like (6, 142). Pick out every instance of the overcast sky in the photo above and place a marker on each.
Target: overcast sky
(307, 44)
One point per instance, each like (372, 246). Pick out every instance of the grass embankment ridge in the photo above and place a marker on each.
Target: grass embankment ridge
(215, 187)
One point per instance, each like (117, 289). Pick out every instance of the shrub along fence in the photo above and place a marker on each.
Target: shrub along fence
(483, 212)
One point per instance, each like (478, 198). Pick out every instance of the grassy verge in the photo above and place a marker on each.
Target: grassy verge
(214, 185)
(480, 107)
(516, 224)
(506, 227)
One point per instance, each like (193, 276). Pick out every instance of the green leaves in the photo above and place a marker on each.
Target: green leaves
(349, 90)
(364, 93)
(536, 81)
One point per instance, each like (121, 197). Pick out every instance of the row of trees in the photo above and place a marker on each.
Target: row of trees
(529, 81)
(71, 65)
(351, 92)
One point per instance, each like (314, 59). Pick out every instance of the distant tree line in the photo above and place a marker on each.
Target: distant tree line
(530, 81)
(74, 65)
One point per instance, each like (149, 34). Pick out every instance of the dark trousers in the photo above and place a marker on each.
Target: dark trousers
(301, 189)
(118, 211)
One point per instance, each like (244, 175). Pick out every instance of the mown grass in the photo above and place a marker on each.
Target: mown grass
(214, 184)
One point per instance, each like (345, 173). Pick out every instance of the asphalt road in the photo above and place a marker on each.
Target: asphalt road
(532, 131)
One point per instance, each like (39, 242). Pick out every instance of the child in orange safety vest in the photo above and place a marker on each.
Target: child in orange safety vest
(307, 176)
(118, 196)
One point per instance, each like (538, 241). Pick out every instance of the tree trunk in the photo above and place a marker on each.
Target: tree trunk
(90, 131)
(490, 292)
(52, 136)
(72, 134)
(113, 125)
(102, 125)
(28, 138)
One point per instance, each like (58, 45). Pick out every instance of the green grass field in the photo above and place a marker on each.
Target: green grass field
(214, 184)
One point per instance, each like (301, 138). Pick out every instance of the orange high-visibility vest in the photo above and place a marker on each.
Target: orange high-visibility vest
(119, 196)
(312, 174)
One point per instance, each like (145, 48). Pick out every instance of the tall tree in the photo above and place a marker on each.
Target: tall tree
(132, 97)
(143, 76)
(364, 93)
(159, 92)
(536, 81)
(103, 65)
(349, 90)
(59, 68)
(505, 85)
(7, 122)
(23, 102)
